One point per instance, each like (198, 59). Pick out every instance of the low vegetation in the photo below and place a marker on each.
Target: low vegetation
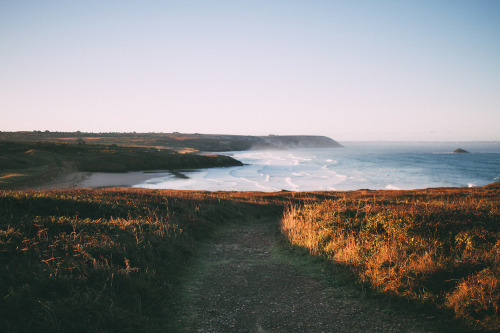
(438, 246)
(112, 259)
(102, 260)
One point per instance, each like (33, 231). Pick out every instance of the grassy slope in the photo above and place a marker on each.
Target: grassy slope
(436, 246)
(23, 162)
(97, 260)
(90, 260)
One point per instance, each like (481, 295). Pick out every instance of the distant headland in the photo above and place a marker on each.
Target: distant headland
(29, 159)
(178, 141)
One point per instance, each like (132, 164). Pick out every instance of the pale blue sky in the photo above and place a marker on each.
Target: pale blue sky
(351, 70)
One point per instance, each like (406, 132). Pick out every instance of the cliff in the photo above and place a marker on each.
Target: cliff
(300, 141)
(207, 142)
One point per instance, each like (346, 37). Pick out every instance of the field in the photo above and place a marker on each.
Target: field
(112, 259)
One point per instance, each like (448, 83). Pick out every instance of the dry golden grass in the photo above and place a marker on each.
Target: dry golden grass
(10, 175)
(440, 246)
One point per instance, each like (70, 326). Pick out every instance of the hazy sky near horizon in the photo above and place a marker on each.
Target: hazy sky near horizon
(351, 70)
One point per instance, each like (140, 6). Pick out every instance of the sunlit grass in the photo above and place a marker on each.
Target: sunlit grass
(438, 246)
(4, 177)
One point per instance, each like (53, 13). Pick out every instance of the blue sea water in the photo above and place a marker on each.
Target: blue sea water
(359, 165)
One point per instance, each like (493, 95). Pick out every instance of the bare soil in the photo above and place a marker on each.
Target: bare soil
(244, 281)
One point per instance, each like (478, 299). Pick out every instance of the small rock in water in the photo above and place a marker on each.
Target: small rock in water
(460, 151)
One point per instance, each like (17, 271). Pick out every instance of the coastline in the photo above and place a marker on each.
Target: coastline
(77, 179)
(95, 180)
(375, 167)
(303, 170)
(67, 180)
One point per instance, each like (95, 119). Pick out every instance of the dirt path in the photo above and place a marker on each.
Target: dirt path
(242, 283)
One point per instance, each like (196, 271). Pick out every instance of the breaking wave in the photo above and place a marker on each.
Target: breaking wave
(351, 168)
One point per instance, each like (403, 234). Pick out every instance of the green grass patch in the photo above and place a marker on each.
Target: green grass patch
(101, 260)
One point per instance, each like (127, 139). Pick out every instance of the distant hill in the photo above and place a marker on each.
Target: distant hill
(301, 141)
(178, 141)
(28, 163)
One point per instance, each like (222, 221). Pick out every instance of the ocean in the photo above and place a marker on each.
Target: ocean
(359, 165)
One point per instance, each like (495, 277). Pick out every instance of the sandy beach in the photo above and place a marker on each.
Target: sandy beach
(73, 180)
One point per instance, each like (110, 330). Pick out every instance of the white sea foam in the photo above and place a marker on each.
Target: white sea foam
(372, 167)
(258, 186)
(289, 181)
(297, 158)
